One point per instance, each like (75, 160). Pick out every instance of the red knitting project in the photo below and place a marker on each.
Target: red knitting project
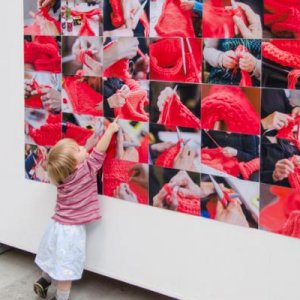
(218, 21)
(135, 103)
(86, 28)
(294, 177)
(172, 14)
(170, 67)
(292, 225)
(285, 53)
(246, 78)
(143, 150)
(186, 204)
(35, 29)
(166, 158)
(35, 101)
(83, 98)
(174, 113)
(287, 132)
(117, 15)
(79, 134)
(282, 17)
(215, 158)
(229, 104)
(43, 54)
(248, 168)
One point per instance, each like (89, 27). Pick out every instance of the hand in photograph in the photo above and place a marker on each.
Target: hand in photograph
(120, 32)
(160, 199)
(46, 27)
(124, 192)
(140, 175)
(45, 3)
(276, 120)
(28, 90)
(232, 214)
(184, 160)
(51, 99)
(229, 151)
(160, 147)
(283, 168)
(130, 7)
(229, 60)
(118, 99)
(247, 62)
(122, 48)
(163, 96)
(187, 5)
(141, 67)
(295, 112)
(123, 151)
(254, 29)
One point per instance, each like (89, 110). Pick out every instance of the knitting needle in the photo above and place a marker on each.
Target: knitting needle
(136, 17)
(183, 55)
(206, 131)
(192, 58)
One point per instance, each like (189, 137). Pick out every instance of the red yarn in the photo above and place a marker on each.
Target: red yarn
(174, 22)
(166, 158)
(43, 54)
(246, 78)
(294, 177)
(229, 104)
(216, 159)
(35, 29)
(292, 225)
(282, 17)
(285, 53)
(218, 21)
(135, 103)
(248, 168)
(287, 132)
(35, 101)
(83, 98)
(170, 67)
(117, 15)
(186, 204)
(86, 28)
(143, 149)
(174, 113)
(49, 133)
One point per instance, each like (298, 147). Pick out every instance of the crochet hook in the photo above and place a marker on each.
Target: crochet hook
(183, 55)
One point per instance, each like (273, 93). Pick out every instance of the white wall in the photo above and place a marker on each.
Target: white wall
(175, 254)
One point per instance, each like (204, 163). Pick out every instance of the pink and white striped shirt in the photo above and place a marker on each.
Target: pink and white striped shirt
(77, 197)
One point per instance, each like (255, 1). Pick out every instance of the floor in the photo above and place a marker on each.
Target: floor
(18, 272)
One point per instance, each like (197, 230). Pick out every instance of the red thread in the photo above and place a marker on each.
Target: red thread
(186, 204)
(229, 104)
(246, 78)
(172, 14)
(84, 99)
(174, 113)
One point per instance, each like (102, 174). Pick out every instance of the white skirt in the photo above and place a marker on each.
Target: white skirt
(61, 253)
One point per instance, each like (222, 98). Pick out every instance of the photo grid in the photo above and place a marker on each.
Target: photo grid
(207, 94)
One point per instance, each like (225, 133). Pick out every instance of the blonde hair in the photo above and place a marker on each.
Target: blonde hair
(61, 161)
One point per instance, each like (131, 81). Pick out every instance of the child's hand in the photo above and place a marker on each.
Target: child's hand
(113, 127)
(247, 62)
(229, 60)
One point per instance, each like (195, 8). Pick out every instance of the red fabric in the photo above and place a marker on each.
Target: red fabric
(218, 21)
(117, 15)
(34, 29)
(285, 53)
(49, 133)
(215, 158)
(287, 132)
(292, 225)
(248, 168)
(43, 54)
(294, 177)
(79, 134)
(135, 103)
(143, 150)
(186, 204)
(35, 101)
(282, 17)
(174, 113)
(166, 158)
(84, 99)
(86, 28)
(172, 14)
(166, 60)
(229, 104)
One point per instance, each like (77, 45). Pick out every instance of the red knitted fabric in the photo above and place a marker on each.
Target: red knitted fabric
(86, 28)
(215, 158)
(43, 54)
(117, 15)
(229, 104)
(248, 168)
(144, 150)
(49, 133)
(285, 53)
(83, 98)
(294, 177)
(186, 204)
(174, 113)
(79, 134)
(34, 29)
(166, 158)
(136, 101)
(287, 132)
(292, 225)
(170, 67)
(218, 22)
(282, 17)
(172, 14)
(35, 101)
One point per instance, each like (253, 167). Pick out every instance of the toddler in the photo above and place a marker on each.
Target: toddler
(61, 254)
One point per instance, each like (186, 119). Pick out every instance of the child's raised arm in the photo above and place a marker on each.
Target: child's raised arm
(103, 143)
